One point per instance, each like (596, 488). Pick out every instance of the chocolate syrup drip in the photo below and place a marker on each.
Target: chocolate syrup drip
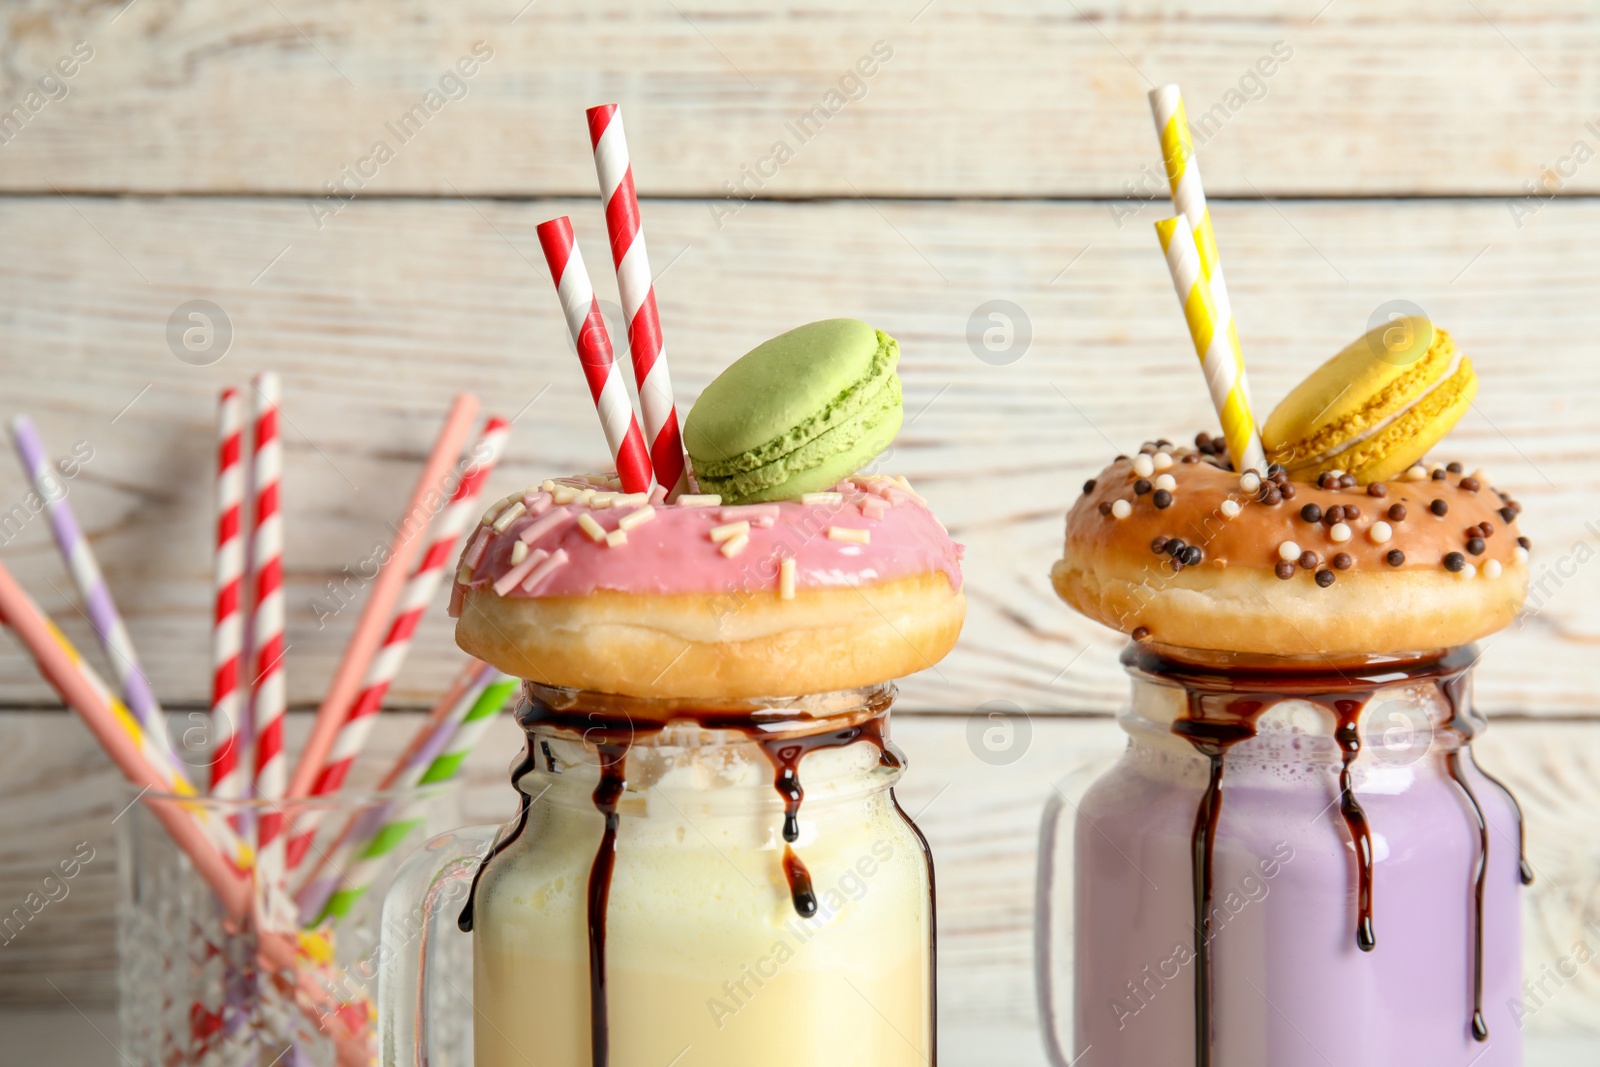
(785, 755)
(1223, 707)
(1211, 739)
(1348, 735)
(1454, 690)
(527, 763)
(613, 765)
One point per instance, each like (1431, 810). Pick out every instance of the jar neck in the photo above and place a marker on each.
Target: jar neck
(641, 743)
(1209, 702)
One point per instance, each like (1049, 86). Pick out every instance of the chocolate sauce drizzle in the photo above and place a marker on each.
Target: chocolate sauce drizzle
(613, 737)
(1223, 708)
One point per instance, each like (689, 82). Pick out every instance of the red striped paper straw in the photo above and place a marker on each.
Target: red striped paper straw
(456, 518)
(646, 347)
(228, 777)
(268, 693)
(588, 330)
(404, 548)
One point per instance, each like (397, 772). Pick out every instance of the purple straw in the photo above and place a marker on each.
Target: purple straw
(102, 611)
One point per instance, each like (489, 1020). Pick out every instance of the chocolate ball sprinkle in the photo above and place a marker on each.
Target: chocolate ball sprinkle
(1507, 516)
(1176, 563)
(1161, 498)
(1105, 507)
(1454, 467)
(1288, 490)
(1176, 545)
(1284, 569)
(1476, 545)
(1192, 555)
(1158, 544)
(1524, 542)
(1327, 480)
(1308, 560)
(1486, 528)
(1454, 561)
(1351, 512)
(1347, 481)
(1141, 487)
(1271, 495)
(1311, 513)
(1333, 515)
(1377, 489)
(1325, 577)
(1275, 469)
(1397, 512)
(1395, 557)
(1140, 633)
(1438, 507)
(1164, 443)
(1191, 457)
(1202, 441)
(1438, 475)
(1088, 486)
(1471, 485)
(1342, 561)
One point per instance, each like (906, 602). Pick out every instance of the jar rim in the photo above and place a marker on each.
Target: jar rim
(1209, 671)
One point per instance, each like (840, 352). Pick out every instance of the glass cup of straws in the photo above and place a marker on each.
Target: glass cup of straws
(282, 968)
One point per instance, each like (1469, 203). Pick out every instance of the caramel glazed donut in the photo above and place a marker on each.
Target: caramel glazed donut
(575, 584)
(1172, 546)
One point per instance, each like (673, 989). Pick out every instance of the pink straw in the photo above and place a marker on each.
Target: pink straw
(369, 631)
(646, 347)
(588, 329)
(228, 777)
(459, 515)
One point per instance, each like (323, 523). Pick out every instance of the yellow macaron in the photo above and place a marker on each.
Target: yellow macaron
(1376, 408)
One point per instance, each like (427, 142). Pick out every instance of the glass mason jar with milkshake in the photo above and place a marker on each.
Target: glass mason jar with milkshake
(708, 854)
(1297, 860)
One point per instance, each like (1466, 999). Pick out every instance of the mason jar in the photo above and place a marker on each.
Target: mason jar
(733, 878)
(1295, 862)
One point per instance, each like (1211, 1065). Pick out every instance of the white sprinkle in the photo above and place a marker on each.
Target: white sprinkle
(1161, 461)
(1339, 532)
(1250, 482)
(547, 486)
(1380, 533)
(1166, 481)
(1337, 473)
(1482, 475)
(1469, 571)
(846, 533)
(699, 500)
(786, 578)
(565, 494)
(464, 572)
(1520, 554)
(536, 503)
(494, 509)
(1230, 508)
(1417, 473)
(1289, 550)
(519, 552)
(586, 497)
(729, 530)
(616, 537)
(821, 498)
(635, 518)
(734, 545)
(601, 501)
(614, 482)
(628, 500)
(508, 516)
(1121, 509)
(1491, 568)
(594, 530)
(1143, 465)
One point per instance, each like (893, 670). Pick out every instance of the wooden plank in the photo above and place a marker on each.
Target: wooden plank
(1015, 98)
(982, 822)
(376, 320)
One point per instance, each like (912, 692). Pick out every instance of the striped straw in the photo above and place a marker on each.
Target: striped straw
(1224, 374)
(368, 855)
(228, 777)
(1189, 200)
(268, 691)
(646, 347)
(458, 515)
(102, 610)
(588, 329)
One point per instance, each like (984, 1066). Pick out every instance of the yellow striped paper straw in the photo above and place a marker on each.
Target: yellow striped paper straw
(1189, 200)
(1224, 374)
(173, 779)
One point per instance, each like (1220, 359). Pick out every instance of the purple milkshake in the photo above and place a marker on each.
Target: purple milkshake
(1297, 861)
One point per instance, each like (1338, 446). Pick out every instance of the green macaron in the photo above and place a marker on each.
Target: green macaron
(796, 414)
